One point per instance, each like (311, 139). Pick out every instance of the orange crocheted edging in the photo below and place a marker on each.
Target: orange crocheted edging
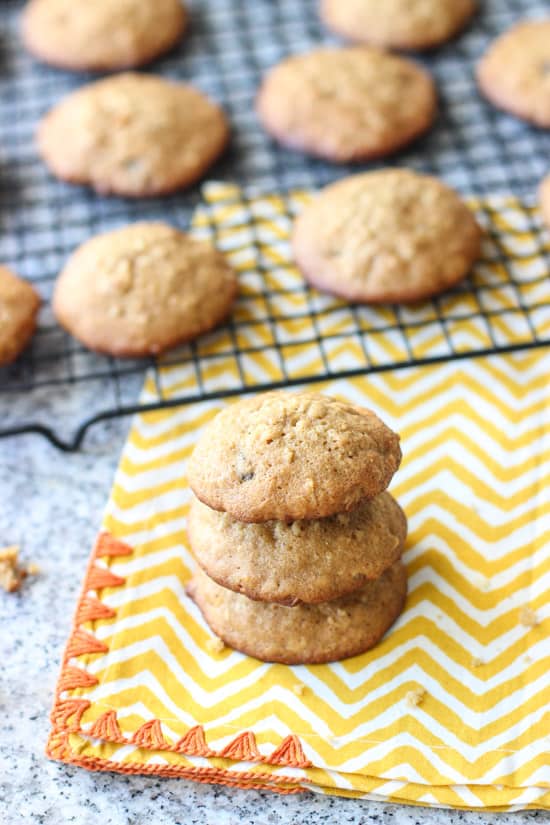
(59, 748)
(67, 712)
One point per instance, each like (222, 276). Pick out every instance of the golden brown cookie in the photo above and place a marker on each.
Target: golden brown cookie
(398, 24)
(286, 456)
(346, 104)
(304, 561)
(134, 135)
(514, 74)
(544, 199)
(143, 289)
(102, 35)
(307, 633)
(386, 236)
(19, 305)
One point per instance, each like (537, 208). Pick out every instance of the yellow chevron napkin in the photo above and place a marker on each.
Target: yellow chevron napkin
(452, 708)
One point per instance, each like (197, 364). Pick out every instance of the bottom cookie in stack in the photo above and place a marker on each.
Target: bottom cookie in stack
(305, 633)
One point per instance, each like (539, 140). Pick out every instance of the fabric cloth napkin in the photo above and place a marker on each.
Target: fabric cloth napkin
(452, 707)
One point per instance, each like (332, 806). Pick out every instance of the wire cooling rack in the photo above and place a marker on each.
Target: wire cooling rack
(481, 152)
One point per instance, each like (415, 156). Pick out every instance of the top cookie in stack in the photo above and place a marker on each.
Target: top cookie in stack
(287, 457)
(298, 543)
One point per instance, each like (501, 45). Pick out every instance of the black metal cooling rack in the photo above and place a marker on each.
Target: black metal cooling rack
(476, 149)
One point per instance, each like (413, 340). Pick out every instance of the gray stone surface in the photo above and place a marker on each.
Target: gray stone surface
(51, 504)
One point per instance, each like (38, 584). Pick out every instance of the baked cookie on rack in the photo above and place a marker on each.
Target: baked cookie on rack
(346, 104)
(133, 135)
(544, 199)
(307, 633)
(514, 74)
(287, 456)
(102, 35)
(306, 561)
(19, 305)
(398, 24)
(143, 289)
(386, 236)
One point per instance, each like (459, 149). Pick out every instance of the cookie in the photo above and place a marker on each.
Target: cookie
(133, 135)
(143, 289)
(19, 304)
(514, 74)
(308, 633)
(544, 199)
(398, 24)
(386, 236)
(305, 561)
(102, 35)
(346, 104)
(283, 456)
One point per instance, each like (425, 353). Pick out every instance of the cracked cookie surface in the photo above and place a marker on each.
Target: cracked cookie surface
(514, 74)
(284, 456)
(142, 289)
(346, 104)
(102, 35)
(134, 135)
(307, 633)
(19, 305)
(398, 24)
(386, 236)
(310, 561)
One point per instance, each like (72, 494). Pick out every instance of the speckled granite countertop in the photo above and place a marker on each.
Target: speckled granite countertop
(51, 504)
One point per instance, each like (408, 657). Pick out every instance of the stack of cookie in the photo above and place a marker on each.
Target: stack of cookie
(298, 543)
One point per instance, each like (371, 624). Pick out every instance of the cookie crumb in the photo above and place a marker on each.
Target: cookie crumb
(528, 617)
(11, 575)
(481, 582)
(477, 662)
(33, 569)
(299, 689)
(415, 697)
(215, 645)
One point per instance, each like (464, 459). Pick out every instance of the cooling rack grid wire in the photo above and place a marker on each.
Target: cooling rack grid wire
(282, 332)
